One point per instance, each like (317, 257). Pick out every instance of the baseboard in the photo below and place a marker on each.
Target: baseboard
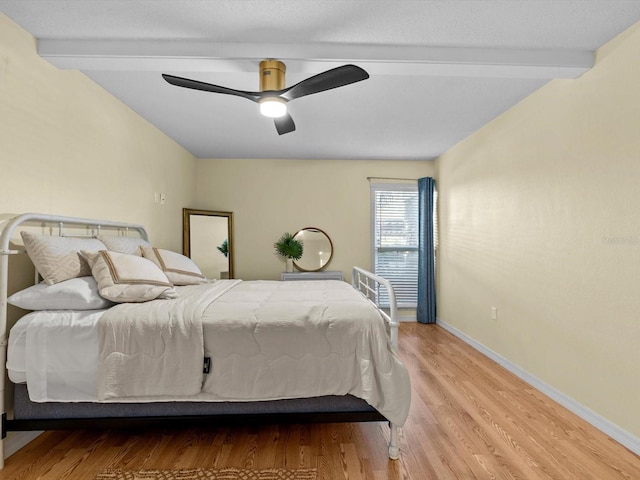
(611, 429)
(16, 440)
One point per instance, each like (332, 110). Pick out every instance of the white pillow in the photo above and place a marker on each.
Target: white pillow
(126, 278)
(179, 269)
(129, 245)
(74, 294)
(58, 258)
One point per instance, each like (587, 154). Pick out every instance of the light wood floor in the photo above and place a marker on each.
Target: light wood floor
(469, 419)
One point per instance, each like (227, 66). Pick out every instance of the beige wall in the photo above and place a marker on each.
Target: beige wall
(539, 216)
(68, 147)
(270, 197)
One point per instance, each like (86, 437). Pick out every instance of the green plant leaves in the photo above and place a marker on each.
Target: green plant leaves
(288, 247)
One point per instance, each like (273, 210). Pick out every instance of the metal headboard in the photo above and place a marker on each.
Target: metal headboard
(9, 229)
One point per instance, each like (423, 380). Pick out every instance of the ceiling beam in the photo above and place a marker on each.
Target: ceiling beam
(201, 56)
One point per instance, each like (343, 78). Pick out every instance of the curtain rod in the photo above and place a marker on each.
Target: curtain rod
(391, 178)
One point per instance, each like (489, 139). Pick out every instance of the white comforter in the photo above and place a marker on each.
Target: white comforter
(266, 340)
(155, 348)
(302, 339)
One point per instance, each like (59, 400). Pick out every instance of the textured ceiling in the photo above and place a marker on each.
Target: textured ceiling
(439, 69)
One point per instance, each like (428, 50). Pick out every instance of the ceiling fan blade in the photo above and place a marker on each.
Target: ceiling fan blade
(284, 124)
(334, 78)
(208, 87)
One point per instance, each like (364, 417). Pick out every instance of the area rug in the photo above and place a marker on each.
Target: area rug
(210, 474)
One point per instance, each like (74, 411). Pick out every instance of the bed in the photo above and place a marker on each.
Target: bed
(177, 348)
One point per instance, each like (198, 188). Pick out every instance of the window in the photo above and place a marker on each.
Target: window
(395, 239)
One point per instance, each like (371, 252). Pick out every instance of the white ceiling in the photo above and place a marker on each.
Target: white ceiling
(439, 69)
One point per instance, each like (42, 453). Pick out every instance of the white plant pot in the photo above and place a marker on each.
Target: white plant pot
(289, 265)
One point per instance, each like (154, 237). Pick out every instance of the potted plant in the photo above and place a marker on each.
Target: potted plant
(224, 248)
(289, 248)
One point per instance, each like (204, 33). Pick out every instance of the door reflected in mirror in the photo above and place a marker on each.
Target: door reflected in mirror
(317, 249)
(208, 241)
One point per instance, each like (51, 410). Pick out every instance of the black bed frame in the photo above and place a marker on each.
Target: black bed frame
(30, 415)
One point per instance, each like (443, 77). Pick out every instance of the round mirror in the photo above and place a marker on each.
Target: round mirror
(317, 249)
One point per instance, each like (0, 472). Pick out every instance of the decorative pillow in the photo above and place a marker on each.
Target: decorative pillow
(129, 245)
(73, 294)
(179, 269)
(58, 258)
(126, 278)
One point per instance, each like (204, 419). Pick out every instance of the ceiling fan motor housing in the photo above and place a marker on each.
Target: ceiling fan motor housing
(272, 73)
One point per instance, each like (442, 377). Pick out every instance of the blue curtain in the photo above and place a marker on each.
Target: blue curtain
(426, 312)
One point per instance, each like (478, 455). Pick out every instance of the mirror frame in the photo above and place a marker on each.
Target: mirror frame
(314, 229)
(186, 231)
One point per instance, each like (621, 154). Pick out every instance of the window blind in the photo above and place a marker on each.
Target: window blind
(395, 239)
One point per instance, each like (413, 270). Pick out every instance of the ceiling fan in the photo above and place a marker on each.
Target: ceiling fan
(273, 96)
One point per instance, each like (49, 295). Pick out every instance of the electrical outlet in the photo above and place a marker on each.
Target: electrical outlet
(494, 313)
(156, 197)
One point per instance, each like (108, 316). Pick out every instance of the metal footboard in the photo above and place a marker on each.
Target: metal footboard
(373, 287)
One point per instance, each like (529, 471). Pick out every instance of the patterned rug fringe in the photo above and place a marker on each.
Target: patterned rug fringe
(209, 474)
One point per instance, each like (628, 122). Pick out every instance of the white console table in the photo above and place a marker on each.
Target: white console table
(323, 275)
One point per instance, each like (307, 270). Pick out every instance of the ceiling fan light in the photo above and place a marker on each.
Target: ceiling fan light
(273, 107)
